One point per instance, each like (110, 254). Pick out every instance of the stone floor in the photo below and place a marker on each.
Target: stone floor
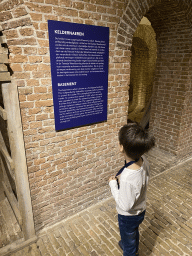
(166, 230)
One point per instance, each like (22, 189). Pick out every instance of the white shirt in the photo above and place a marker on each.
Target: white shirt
(131, 196)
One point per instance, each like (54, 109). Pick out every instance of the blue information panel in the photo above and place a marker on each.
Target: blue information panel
(79, 68)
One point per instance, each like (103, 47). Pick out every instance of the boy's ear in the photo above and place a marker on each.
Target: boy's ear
(121, 148)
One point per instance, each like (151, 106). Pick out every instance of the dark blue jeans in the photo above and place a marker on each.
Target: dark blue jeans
(129, 231)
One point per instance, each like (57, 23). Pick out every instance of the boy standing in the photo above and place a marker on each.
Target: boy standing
(129, 186)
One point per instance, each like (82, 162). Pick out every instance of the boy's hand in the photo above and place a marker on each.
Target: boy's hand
(112, 178)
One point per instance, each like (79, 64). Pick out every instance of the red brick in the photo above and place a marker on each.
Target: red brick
(34, 111)
(101, 2)
(35, 59)
(44, 103)
(32, 82)
(40, 89)
(16, 67)
(52, 2)
(65, 12)
(15, 50)
(25, 91)
(43, 51)
(18, 59)
(43, 43)
(24, 41)
(41, 34)
(38, 74)
(40, 173)
(26, 31)
(11, 34)
(21, 75)
(30, 51)
(90, 7)
(20, 11)
(17, 23)
(36, 16)
(42, 117)
(44, 67)
(5, 16)
(83, 15)
(20, 83)
(39, 8)
(66, 19)
(49, 17)
(22, 98)
(43, 26)
(29, 67)
(78, 5)
(27, 104)
(36, 25)
(34, 125)
(66, 3)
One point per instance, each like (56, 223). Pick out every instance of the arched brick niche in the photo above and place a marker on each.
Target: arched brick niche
(172, 90)
(143, 59)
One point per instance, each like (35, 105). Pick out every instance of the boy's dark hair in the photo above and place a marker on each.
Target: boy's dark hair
(135, 140)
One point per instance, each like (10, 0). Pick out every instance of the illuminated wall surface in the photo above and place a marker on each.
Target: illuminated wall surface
(68, 169)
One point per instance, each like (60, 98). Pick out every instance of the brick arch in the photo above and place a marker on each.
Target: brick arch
(171, 111)
(134, 12)
(130, 20)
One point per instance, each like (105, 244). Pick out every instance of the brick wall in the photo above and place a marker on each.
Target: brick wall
(68, 170)
(170, 117)
(172, 94)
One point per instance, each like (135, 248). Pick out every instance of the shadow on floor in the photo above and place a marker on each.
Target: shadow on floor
(154, 227)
